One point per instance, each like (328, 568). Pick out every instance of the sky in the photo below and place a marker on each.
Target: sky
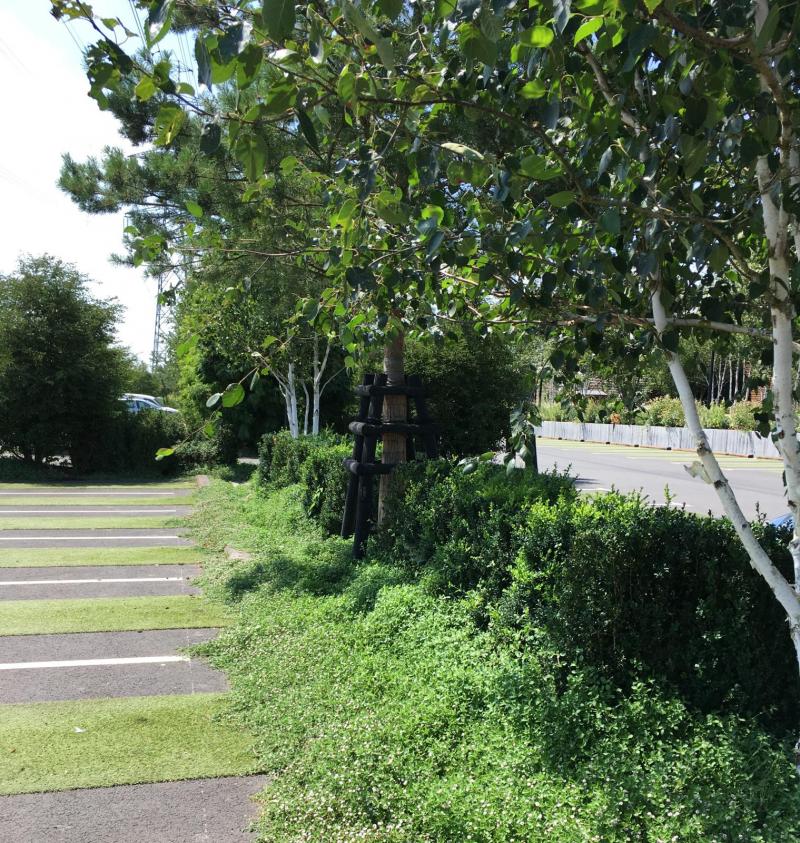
(47, 113)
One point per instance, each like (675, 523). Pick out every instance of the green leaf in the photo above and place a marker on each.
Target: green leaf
(610, 221)
(533, 90)
(537, 36)
(251, 151)
(346, 84)
(248, 64)
(468, 152)
(278, 18)
(187, 345)
(391, 8)
(652, 5)
(476, 45)
(164, 452)
(168, 123)
(561, 199)
(268, 341)
(213, 399)
(537, 167)
(357, 19)
(158, 20)
(280, 98)
(194, 209)
(203, 58)
(316, 44)
(308, 130)
(233, 395)
(587, 28)
(145, 89)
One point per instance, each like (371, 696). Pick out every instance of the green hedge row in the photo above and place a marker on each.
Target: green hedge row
(313, 461)
(620, 586)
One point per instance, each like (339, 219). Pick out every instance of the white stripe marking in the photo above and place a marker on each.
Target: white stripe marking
(98, 494)
(80, 538)
(117, 510)
(93, 662)
(94, 580)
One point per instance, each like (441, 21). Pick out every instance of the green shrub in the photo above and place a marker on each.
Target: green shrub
(716, 416)
(663, 412)
(281, 456)
(324, 481)
(742, 415)
(458, 529)
(472, 384)
(635, 590)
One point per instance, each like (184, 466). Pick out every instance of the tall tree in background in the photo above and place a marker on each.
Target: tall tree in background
(61, 376)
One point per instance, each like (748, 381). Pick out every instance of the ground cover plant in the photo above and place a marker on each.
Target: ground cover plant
(426, 694)
(39, 617)
(21, 521)
(46, 557)
(96, 743)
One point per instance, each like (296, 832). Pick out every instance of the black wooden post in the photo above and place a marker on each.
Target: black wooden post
(365, 481)
(351, 499)
(423, 419)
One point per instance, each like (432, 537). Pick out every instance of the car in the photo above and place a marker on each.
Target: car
(784, 522)
(136, 403)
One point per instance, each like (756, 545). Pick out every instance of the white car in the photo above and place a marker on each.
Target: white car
(136, 403)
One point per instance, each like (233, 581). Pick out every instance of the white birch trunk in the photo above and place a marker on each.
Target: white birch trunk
(781, 588)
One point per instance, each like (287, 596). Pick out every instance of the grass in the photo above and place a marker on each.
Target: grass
(161, 485)
(90, 501)
(33, 617)
(390, 714)
(65, 745)
(86, 522)
(48, 557)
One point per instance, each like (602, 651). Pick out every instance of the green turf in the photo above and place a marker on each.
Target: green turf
(87, 522)
(97, 743)
(91, 501)
(47, 557)
(33, 617)
(181, 483)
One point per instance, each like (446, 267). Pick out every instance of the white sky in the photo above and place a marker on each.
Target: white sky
(47, 112)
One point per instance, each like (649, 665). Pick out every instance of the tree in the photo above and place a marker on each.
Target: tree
(538, 167)
(61, 375)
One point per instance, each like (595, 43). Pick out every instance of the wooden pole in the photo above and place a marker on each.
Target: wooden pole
(395, 409)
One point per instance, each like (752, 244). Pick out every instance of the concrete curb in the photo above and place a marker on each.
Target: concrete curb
(735, 442)
(237, 555)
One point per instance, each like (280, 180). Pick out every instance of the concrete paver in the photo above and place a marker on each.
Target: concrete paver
(97, 581)
(200, 811)
(100, 537)
(100, 511)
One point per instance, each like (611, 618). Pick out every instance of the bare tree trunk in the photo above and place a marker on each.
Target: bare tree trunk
(306, 409)
(395, 409)
(318, 387)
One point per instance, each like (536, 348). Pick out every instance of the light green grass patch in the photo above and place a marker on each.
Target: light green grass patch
(48, 557)
(111, 614)
(90, 501)
(161, 485)
(88, 522)
(98, 743)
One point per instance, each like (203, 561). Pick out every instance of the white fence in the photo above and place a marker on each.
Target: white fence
(739, 442)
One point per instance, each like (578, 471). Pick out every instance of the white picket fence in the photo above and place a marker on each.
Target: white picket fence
(739, 442)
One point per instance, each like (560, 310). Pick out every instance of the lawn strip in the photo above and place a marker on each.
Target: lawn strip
(79, 522)
(169, 485)
(77, 744)
(39, 617)
(47, 557)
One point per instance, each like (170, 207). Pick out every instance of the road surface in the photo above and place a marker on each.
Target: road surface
(757, 483)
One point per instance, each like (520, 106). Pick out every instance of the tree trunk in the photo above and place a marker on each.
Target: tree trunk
(395, 409)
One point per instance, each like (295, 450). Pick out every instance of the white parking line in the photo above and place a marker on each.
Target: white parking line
(117, 510)
(81, 538)
(95, 580)
(98, 494)
(93, 662)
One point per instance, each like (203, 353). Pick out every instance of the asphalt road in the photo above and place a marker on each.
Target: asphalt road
(757, 483)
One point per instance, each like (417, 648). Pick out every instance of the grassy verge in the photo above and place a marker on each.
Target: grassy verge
(32, 617)
(97, 743)
(79, 522)
(89, 501)
(48, 557)
(159, 485)
(393, 715)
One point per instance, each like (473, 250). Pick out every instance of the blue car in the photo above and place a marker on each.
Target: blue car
(785, 522)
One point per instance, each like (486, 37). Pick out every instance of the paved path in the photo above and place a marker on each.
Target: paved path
(85, 666)
(757, 483)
